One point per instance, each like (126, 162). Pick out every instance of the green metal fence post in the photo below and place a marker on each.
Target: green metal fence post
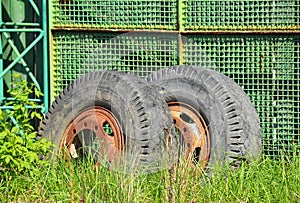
(180, 16)
(45, 56)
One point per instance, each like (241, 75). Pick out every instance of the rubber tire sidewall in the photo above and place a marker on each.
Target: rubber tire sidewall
(115, 91)
(234, 127)
(178, 89)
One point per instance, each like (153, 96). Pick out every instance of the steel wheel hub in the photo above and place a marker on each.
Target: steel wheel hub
(95, 131)
(194, 130)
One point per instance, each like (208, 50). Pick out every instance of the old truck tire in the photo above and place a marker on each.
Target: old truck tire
(227, 125)
(119, 118)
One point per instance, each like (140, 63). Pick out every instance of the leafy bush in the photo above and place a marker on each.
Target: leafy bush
(19, 148)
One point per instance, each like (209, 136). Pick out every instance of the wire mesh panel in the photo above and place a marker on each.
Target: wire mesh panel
(268, 68)
(241, 15)
(75, 54)
(115, 14)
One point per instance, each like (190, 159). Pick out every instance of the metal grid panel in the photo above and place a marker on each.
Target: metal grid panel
(268, 68)
(115, 14)
(241, 15)
(75, 54)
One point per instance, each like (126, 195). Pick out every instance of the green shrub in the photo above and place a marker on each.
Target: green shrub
(19, 148)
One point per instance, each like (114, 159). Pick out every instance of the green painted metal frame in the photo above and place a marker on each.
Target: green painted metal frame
(39, 28)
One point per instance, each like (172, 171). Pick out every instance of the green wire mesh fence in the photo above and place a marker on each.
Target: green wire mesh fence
(241, 15)
(266, 66)
(78, 53)
(268, 69)
(133, 14)
(193, 14)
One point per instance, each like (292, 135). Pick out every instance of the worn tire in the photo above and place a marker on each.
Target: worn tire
(234, 128)
(139, 114)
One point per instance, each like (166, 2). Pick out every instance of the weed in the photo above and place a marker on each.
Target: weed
(20, 149)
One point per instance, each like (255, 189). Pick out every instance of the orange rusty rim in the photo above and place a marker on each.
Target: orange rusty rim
(94, 130)
(194, 130)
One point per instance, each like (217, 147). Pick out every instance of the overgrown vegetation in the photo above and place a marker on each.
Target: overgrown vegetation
(267, 180)
(26, 178)
(20, 150)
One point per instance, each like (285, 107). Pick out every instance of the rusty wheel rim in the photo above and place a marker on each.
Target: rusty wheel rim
(194, 130)
(94, 130)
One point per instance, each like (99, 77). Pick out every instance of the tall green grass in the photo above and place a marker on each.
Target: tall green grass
(265, 180)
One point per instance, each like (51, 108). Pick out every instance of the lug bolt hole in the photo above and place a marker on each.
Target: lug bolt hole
(108, 129)
(74, 131)
(96, 127)
(85, 124)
